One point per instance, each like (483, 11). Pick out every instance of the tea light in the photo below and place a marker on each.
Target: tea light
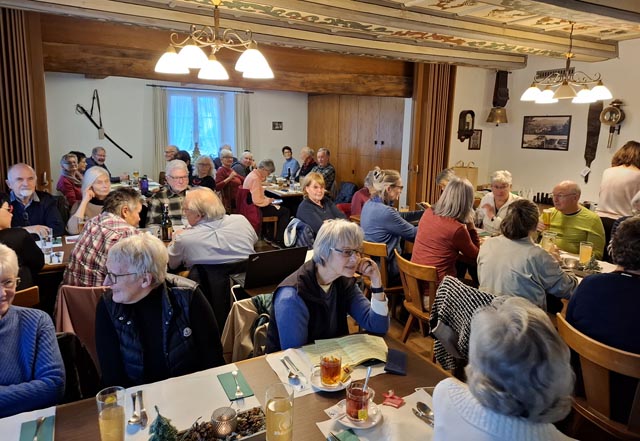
(224, 421)
(569, 262)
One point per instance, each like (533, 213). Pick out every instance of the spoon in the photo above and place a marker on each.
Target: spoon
(143, 412)
(135, 418)
(239, 393)
(366, 380)
(293, 377)
(426, 410)
(422, 416)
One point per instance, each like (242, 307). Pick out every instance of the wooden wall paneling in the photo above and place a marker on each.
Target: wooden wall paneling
(368, 118)
(348, 151)
(323, 126)
(390, 128)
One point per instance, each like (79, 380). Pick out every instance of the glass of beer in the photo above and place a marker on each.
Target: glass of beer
(279, 399)
(110, 403)
(358, 400)
(546, 217)
(330, 369)
(586, 250)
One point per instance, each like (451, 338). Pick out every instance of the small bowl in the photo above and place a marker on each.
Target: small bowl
(224, 421)
(570, 262)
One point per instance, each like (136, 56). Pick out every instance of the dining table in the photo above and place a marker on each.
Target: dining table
(291, 198)
(185, 399)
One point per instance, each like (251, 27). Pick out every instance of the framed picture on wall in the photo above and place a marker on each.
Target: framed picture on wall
(276, 125)
(546, 132)
(476, 140)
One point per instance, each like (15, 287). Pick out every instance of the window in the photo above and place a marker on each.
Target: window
(199, 116)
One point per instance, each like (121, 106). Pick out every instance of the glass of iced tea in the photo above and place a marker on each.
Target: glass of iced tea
(81, 222)
(586, 250)
(358, 400)
(110, 403)
(330, 369)
(279, 412)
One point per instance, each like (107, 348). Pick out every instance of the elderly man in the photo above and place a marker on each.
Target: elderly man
(98, 158)
(215, 237)
(308, 162)
(119, 219)
(291, 165)
(177, 175)
(325, 168)
(170, 152)
(253, 183)
(35, 211)
(245, 165)
(572, 222)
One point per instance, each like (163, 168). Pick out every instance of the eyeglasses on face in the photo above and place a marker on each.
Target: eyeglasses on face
(114, 277)
(348, 252)
(178, 178)
(9, 208)
(10, 283)
(500, 186)
(401, 187)
(560, 195)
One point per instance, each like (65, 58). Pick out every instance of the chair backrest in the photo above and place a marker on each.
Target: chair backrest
(76, 313)
(379, 251)
(245, 207)
(28, 297)
(597, 362)
(417, 281)
(81, 374)
(244, 334)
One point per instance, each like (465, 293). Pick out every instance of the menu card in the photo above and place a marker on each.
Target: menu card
(354, 349)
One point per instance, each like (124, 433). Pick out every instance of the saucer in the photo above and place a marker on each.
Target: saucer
(375, 416)
(316, 382)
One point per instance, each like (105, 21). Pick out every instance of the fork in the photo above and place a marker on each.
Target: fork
(39, 423)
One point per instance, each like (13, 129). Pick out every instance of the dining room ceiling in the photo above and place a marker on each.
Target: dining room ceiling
(487, 33)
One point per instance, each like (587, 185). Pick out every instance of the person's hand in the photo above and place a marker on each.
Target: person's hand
(555, 253)
(541, 226)
(40, 230)
(88, 194)
(369, 268)
(233, 174)
(488, 211)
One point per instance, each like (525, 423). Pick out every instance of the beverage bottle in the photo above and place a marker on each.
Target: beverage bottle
(288, 176)
(144, 185)
(166, 226)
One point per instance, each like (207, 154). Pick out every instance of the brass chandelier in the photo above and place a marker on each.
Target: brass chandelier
(551, 86)
(188, 53)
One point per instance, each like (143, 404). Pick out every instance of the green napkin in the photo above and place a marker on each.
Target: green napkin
(229, 385)
(28, 430)
(346, 435)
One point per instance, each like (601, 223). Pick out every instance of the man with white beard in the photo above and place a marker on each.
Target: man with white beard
(35, 211)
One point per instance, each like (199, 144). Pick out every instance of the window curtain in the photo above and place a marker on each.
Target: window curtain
(209, 123)
(159, 129)
(243, 123)
(181, 113)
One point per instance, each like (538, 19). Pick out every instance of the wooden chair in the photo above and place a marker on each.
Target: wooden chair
(271, 219)
(597, 361)
(414, 277)
(28, 297)
(379, 250)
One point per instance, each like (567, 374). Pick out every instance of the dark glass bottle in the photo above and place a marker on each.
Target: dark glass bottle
(166, 226)
(144, 185)
(288, 176)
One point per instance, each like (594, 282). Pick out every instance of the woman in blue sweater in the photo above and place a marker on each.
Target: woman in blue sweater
(31, 368)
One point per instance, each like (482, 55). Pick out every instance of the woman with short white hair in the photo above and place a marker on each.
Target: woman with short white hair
(205, 173)
(70, 178)
(519, 379)
(31, 368)
(96, 186)
(493, 206)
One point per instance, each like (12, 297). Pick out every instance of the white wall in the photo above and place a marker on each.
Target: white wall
(127, 116)
(538, 169)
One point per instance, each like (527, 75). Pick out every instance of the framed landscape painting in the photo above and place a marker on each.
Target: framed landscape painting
(546, 132)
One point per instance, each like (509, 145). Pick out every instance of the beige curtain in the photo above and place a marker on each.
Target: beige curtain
(243, 123)
(160, 129)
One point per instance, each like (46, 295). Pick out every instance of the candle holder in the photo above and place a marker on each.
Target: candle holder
(224, 421)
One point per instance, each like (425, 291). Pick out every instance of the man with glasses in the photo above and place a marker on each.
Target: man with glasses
(173, 193)
(325, 168)
(572, 222)
(98, 158)
(118, 220)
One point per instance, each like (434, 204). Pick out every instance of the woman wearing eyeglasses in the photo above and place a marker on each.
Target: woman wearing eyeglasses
(70, 179)
(31, 368)
(30, 257)
(493, 206)
(313, 302)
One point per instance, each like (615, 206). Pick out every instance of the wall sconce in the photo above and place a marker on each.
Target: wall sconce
(465, 124)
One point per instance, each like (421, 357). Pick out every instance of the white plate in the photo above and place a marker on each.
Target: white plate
(316, 382)
(375, 416)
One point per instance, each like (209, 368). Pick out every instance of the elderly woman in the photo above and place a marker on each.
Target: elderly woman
(493, 206)
(316, 206)
(31, 369)
(446, 234)
(363, 195)
(382, 223)
(519, 380)
(215, 237)
(96, 186)
(205, 173)
(228, 181)
(313, 302)
(70, 179)
(308, 161)
(512, 264)
(151, 325)
(30, 257)
(82, 161)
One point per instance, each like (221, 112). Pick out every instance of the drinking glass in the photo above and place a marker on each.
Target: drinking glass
(546, 217)
(46, 243)
(136, 177)
(330, 369)
(81, 222)
(279, 399)
(586, 250)
(358, 400)
(548, 240)
(110, 403)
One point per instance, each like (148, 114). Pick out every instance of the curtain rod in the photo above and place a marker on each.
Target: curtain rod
(196, 89)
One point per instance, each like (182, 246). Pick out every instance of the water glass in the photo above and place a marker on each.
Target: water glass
(586, 250)
(279, 410)
(110, 403)
(358, 400)
(46, 244)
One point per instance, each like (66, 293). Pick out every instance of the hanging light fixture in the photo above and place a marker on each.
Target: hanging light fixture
(182, 55)
(551, 86)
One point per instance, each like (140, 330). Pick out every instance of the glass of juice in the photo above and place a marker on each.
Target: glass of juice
(279, 410)
(358, 400)
(586, 250)
(330, 369)
(110, 403)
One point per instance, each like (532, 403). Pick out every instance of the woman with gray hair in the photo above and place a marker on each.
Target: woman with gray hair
(70, 179)
(228, 181)
(96, 186)
(493, 206)
(214, 236)
(151, 325)
(446, 235)
(205, 175)
(519, 379)
(313, 302)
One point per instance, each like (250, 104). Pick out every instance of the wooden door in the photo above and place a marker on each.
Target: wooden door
(348, 151)
(389, 146)
(322, 125)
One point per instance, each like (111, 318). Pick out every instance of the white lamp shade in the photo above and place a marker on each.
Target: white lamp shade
(253, 64)
(169, 63)
(531, 94)
(192, 56)
(584, 96)
(564, 92)
(546, 97)
(600, 92)
(213, 70)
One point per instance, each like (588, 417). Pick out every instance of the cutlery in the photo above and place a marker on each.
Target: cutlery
(135, 418)
(239, 393)
(39, 423)
(426, 410)
(143, 412)
(333, 436)
(298, 371)
(422, 416)
(293, 377)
